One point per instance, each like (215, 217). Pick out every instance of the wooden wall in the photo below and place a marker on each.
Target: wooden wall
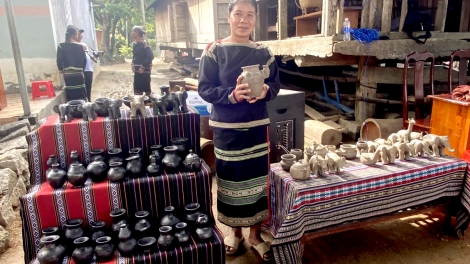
(162, 22)
(201, 21)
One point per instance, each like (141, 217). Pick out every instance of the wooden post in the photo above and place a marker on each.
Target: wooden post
(441, 15)
(332, 17)
(404, 11)
(262, 22)
(282, 19)
(365, 88)
(465, 16)
(365, 15)
(372, 13)
(339, 17)
(387, 16)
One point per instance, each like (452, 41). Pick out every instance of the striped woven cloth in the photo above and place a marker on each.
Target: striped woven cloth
(360, 192)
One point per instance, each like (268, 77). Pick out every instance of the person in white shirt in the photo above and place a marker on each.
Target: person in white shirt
(88, 71)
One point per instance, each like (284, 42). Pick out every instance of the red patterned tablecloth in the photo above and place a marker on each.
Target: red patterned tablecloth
(360, 192)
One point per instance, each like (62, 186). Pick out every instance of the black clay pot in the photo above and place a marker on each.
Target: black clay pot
(102, 109)
(182, 144)
(97, 155)
(104, 249)
(147, 245)
(73, 230)
(153, 169)
(75, 157)
(52, 160)
(171, 161)
(203, 230)
(116, 172)
(158, 151)
(52, 252)
(115, 155)
(51, 231)
(126, 242)
(191, 214)
(134, 167)
(83, 253)
(74, 104)
(166, 239)
(137, 152)
(142, 226)
(170, 218)
(182, 234)
(56, 177)
(77, 175)
(192, 162)
(98, 229)
(119, 218)
(97, 171)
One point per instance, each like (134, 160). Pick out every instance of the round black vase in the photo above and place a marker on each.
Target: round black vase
(116, 172)
(142, 226)
(203, 230)
(147, 245)
(52, 252)
(74, 157)
(171, 161)
(98, 229)
(115, 155)
(52, 160)
(126, 242)
(182, 144)
(73, 230)
(51, 231)
(76, 175)
(166, 239)
(97, 171)
(83, 253)
(170, 218)
(104, 249)
(153, 168)
(119, 218)
(56, 177)
(97, 155)
(182, 234)
(191, 214)
(134, 167)
(158, 151)
(137, 152)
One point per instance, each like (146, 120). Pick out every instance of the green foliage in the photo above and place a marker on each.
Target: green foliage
(151, 43)
(126, 52)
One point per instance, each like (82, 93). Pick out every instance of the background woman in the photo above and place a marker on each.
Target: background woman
(71, 61)
(240, 126)
(141, 62)
(88, 71)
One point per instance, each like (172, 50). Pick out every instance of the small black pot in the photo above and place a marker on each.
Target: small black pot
(191, 214)
(147, 245)
(134, 167)
(182, 144)
(158, 151)
(75, 157)
(170, 218)
(203, 230)
(73, 230)
(115, 155)
(98, 229)
(181, 234)
(116, 172)
(153, 169)
(97, 155)
(56, 177)
(104, 249)
(52, 252)
(77, 175)
(83, 253)
(97, 171)
(52, 160)
(166, 240)
(126, 242)
(51, 231)
(143, 226)
(137, 152)
(119, 218)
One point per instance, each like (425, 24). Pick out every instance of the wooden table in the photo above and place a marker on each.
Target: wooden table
(451, 118)
(307, 24)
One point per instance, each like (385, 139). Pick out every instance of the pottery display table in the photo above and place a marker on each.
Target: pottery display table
(451, 118)
(360, 192)
(45, 207)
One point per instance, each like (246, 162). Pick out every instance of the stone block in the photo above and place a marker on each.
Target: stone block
(18, 191)
(17, 133)
(15, 161)
(9, 128)
(4, 240)
(17, 143)
(8, 180)
(7, 216)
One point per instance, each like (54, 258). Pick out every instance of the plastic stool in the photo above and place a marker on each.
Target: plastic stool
(37, 92)
(466, 155)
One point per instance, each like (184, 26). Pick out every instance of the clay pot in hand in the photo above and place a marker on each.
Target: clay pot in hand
(170, 218)
(297, 152)
(181, 234)
(182, 144)
(52, 252)
(73, 230)
(83, 253)
(191, 214)
(142, 227)
(166, 239)
(119, 218)
(56, 177)
(116, 172)
(134, 166)
(171, 161)
(52, 160)
(97, 155)
(75, 157)
(157, 150)
(287, 160)
(126, 242)
(98, 229)
(115, 155)
(255, 78)
(97, 171)
(203, 230)
(153, 168)
(77, 175)
(147, 244)
(192, 162)
(104, 249)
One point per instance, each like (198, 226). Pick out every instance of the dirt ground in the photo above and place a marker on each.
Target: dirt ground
(416, 239)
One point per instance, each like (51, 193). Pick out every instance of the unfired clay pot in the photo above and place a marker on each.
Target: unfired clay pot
(255, 78)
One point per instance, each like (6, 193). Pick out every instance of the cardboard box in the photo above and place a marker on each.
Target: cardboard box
(195, 101)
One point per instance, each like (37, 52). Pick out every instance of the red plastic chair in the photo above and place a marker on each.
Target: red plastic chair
(37, 92)
(463, 56)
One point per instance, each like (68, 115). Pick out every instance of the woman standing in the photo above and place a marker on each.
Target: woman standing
(240, 126)
(88, 71)
(71, 61)
(141, 62)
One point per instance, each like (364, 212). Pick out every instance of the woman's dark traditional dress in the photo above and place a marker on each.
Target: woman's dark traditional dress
(241, 135)
(71, 61)
(142, 56)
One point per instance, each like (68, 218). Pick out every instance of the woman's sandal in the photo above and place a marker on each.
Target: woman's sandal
(264, 248)
(233, 242)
